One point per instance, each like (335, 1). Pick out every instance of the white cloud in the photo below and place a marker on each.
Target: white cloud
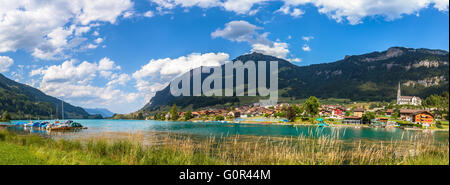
(107, 64)
(296, 60)
(157, 73)
(68, 71)
(170, 4)
(74, 82)
(128, 14)
(91, 46)
(277, 49)
(241, 31)
(306, 48)
(121, 79)
(295, 12)
(149, 14)
(307, 38)
(51, 29)
(237, 6)
(354, 11)
(5, 63)
(98, 40)
(241, 7)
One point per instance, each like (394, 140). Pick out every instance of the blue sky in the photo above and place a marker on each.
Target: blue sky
(117, 54)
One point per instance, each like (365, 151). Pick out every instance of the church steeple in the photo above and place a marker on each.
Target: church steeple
(399, 94)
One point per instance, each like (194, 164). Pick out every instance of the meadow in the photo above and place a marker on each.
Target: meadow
(175, 149)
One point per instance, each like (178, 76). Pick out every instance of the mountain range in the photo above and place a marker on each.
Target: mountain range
(25, 102)
(368, 77)
(101, 111)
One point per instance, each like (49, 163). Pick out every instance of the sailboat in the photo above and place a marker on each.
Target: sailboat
(66, 125)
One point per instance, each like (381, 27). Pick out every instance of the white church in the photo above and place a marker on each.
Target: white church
(407, 100)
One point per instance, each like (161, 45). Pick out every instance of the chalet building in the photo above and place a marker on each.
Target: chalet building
(423, 117)
(204, 112)
(337, 113)
(407, 100)
(358, 112)
(324, 112)
(382, 119)
(389, 112)
(407, 114)
(417, 116)
(195, 114)
(352, 120)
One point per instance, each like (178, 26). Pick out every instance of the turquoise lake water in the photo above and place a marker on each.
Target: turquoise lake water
(229, 129)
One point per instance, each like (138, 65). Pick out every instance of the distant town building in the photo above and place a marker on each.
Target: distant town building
(235, 114)
(351, 120)
(407, 100)
(389, 112)
(407, 114)
(417, 116)
(423, 117)
(358, 112)
(337, 113)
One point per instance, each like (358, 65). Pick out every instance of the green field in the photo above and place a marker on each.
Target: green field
(182, 150)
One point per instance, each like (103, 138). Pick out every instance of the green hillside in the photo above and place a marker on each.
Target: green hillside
(368, 77)
(24, 102)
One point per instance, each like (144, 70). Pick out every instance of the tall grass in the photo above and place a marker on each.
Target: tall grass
(176, 149)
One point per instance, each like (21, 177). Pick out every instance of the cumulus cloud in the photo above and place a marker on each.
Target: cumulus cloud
(51, 29)
(121, 79)
(295, 12)
(243, 31)
(296, 60)
(128, 14)
(306, 48)
(74, 81)
(5, 63)
(237, 6)
(98, 40)
(149, 14)
(156, 74)
(277, 49)
(307, 38)
(354, 11)
(241, 7)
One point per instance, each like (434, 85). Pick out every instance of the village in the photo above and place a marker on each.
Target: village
(406, 112)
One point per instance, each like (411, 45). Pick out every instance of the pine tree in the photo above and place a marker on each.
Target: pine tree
(174, 112)
(6, 116)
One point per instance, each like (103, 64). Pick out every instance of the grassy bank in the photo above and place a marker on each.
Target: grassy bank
(176, 149)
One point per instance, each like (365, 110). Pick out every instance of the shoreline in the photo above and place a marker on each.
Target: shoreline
(263, 123)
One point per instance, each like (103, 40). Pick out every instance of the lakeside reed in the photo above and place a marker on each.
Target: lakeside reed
(176, 149)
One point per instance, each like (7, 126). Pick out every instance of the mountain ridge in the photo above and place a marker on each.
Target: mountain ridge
(25, 102)
(371, 77)
(102, 111)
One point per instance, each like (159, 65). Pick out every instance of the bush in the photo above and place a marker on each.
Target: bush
(439, 124)
(219, 118)
(405, 123)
